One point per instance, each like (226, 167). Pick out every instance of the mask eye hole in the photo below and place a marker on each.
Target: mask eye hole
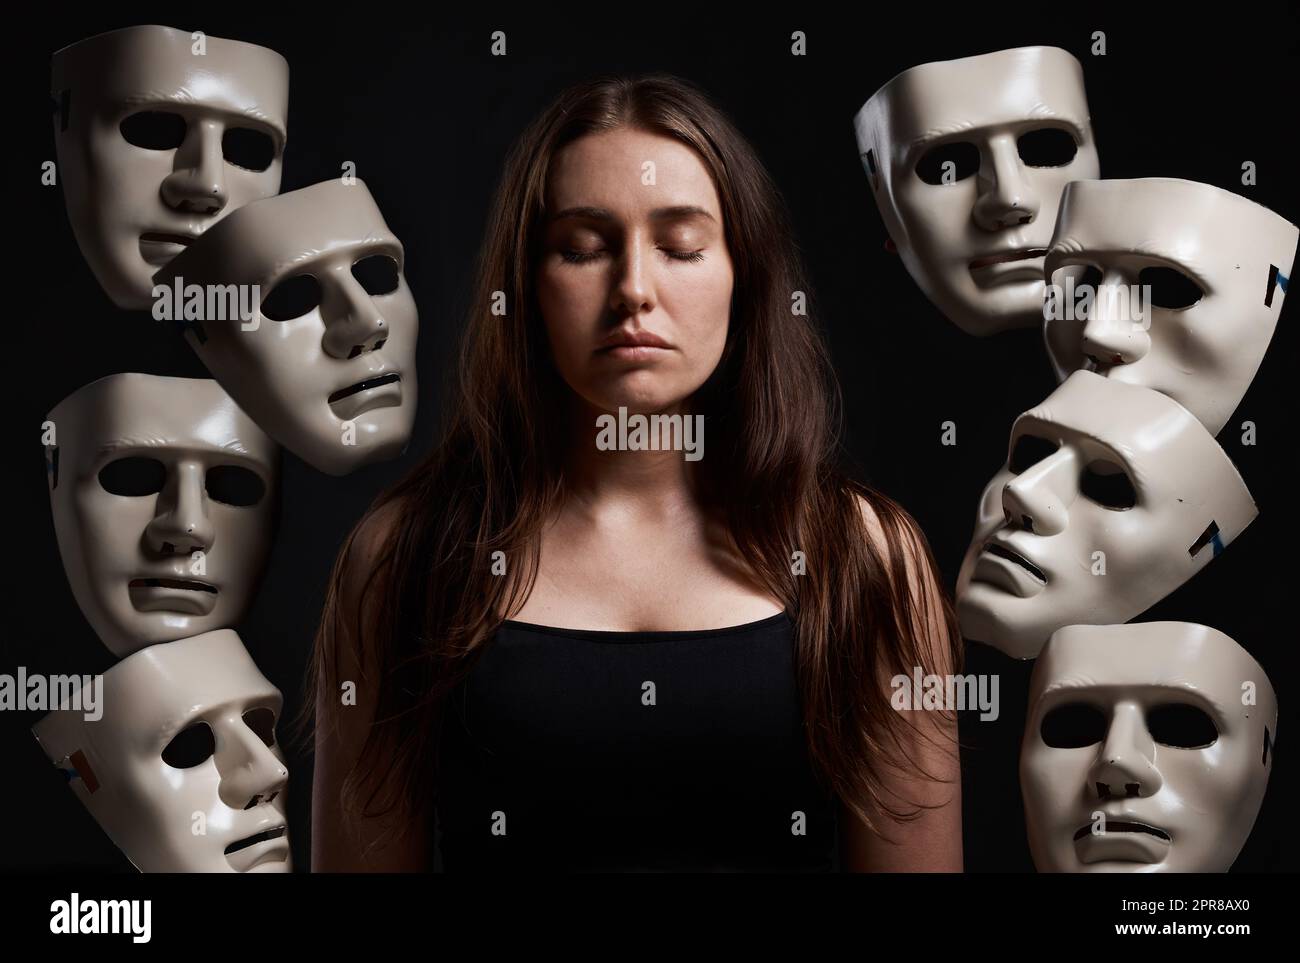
(1091, 278)
(964, 158)
(234, 485)
(292, 298)
(191, 747)
(253, 150)
(133, 477)
(154, 129)
(1107, 484)
(262, 721)
(1073, 726)
(378, 274)
(1182, 726)
(1170, 288)
(1029, 451)
(1046, 147)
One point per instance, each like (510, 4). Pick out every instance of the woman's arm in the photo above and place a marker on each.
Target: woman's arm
(932, 841)
(345, 841)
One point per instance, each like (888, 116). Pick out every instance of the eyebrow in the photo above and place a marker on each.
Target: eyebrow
(675, 213)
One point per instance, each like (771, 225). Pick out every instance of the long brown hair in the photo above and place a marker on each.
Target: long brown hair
(773, 477)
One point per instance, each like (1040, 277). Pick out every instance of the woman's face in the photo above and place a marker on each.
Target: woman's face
(635, 278)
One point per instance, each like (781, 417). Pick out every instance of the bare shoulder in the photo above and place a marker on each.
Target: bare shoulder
(372, 536)
(370, 544)
(907, 544)
(361, 568)
(909, 567)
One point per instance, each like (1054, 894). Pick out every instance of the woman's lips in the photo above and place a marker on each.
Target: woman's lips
(624, 345)
(634, 352)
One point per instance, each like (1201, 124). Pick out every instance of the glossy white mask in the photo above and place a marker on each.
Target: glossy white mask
(967, 160)
(1147, 749)
(1111, 498)
(182, 771)
(1216, 267)
(163, 496)
(326, 364)
(158, 135)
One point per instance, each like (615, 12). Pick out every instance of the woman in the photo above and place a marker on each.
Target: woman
(582, 656)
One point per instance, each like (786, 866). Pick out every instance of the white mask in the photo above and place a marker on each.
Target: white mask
(182, 771)
(1217, 266)
(967, 159)
(1147, 749)
(163, 496)
(1111, 498)
(336, 314)
(157, 141)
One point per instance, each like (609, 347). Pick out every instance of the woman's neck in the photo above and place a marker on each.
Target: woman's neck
(646, 482)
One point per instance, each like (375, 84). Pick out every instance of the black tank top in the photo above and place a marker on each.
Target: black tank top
(632, 751)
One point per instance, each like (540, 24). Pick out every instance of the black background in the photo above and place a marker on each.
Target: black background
(427, 116)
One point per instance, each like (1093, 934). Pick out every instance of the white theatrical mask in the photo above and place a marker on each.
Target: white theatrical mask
(1215, 266)
(1147, 749)
(159, 133)
(163, 497)
(967, 160)
(326, 363)
(182, 771)
(1112, 497)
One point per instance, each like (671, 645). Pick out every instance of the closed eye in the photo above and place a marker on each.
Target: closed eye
(580, 257)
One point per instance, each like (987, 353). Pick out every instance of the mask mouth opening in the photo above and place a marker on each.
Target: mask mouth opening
(1023, 254)
(172, 595)
(1001, 551)
(383, 391)
(256, 838)
(159, 247)
(268, 846)
(1124, 826)
(190, 584)
(360, 386)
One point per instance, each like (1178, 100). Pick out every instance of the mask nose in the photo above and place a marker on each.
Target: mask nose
(1125, 769)
(1114, 331)
(1006, 197)
(197, 184)
(1037, 500)
(251, 774)
(353, 322)
(181, 524)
